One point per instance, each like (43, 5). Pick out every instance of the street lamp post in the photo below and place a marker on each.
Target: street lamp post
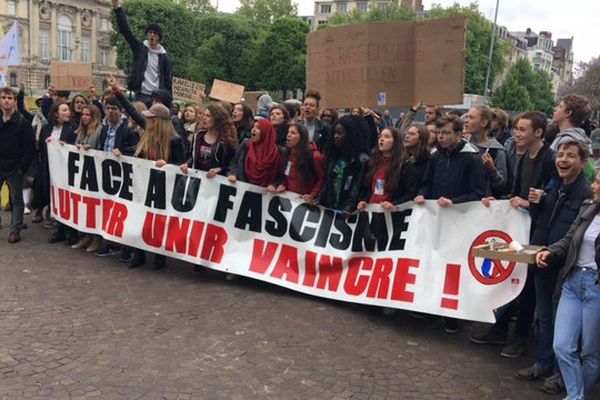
(486, 91)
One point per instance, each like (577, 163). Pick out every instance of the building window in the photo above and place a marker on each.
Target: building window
(85, 49)
(104, 56)
(382, 5)
(46, 81)
(342, 7)
(13, 79)
(362, 6)
(44, 44)
(65, 31)
(325, 8)
(11, 7)
(104, 25)
(322, 22)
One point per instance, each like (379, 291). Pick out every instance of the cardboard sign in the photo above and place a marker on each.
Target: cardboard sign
(408, 61)
(187, 90)
(226, 91)
(71, 75)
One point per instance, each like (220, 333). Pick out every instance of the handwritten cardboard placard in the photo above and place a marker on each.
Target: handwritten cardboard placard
(187, 90)
(71, 75)
(408, 61)
(226, 91)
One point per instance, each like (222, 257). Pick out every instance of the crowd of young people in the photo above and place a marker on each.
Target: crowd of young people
(346, 161)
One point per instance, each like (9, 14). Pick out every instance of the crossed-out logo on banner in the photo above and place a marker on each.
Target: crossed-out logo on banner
(485, 270)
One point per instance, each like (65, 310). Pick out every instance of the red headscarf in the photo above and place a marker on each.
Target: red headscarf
(262, 161)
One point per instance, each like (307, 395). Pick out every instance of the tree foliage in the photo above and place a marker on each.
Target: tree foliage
(479, 35)
(266, 11)
(278, 57)
(197, 6)
(392, 12)
(178, 25)
(585, 83)
(525, 89)
(222, 42)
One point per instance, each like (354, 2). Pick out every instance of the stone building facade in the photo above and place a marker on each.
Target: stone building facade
(63, 30)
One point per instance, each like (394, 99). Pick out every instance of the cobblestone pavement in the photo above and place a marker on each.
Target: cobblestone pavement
(77, 326)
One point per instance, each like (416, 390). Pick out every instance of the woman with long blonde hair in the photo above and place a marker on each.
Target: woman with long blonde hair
(133, 124)
(161, 144)
(88, 133)
(90, 124)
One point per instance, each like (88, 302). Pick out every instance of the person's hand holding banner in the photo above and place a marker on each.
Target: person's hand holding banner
(420, 200)
(486, 201)
(387, 205)
(542, 258)
(116, 152)
(213, 172)
(444, 202)
(184, 168)
(160, 163)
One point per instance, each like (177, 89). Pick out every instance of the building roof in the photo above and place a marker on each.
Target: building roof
(566, 44)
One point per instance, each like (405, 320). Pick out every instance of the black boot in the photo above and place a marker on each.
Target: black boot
(159, 261)
(139, 258)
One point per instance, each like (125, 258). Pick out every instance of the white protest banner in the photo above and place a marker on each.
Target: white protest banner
(187, 90)
(414, 257)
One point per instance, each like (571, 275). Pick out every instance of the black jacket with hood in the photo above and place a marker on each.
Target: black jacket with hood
(457, 175)
(140, 59)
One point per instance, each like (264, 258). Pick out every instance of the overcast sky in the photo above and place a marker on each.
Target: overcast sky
(577, 18)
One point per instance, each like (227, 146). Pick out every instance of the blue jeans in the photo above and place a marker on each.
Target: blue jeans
(545, 282)
(577, 332)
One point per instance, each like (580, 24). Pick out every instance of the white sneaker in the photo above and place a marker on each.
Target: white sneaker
(26, 211)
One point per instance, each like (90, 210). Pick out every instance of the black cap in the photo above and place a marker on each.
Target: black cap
(155, 28)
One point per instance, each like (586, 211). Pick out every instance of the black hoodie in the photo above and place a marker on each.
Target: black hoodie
(457, 175)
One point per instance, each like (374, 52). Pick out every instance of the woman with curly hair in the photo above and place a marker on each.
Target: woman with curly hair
(215, 145)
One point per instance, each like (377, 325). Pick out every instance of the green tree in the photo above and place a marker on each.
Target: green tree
(525, 89)
(479, 35)
(266, 11)
(178, 25)
(511, 95)
(392, 12)
(198, 6)
(221, 41)
(585, 83)
(277, 59)
(541, 92)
